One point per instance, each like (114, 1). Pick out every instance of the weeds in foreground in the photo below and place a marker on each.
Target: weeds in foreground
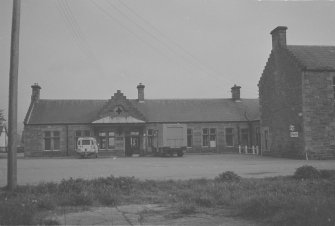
(295, 200)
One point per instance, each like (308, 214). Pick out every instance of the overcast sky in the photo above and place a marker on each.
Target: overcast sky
(88, 49)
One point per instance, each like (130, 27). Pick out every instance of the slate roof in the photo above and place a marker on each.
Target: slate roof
(174, 110)
(314, 57)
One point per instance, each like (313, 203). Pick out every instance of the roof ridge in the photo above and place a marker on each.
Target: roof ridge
(71, 99)
(198, 99)
(313, 46)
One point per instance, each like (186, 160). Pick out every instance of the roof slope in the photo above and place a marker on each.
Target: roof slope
(314, 57)
(65, 111)
(175, 110)
(198, 110)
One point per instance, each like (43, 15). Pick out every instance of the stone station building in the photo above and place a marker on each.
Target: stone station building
(125, 126)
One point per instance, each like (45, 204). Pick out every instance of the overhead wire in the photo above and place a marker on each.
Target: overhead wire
(174, 43)
(171, 45)
(139, 37)
(78, 35)
(160, 41)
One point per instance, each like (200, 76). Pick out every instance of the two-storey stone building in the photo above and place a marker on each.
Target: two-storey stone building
(297, 100)
(123, 126)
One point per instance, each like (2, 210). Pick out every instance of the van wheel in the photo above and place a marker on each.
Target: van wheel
(180, 154)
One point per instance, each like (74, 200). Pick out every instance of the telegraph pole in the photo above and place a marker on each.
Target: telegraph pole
(13, 93)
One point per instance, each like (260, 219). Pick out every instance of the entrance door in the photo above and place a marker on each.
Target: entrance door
(132, 144)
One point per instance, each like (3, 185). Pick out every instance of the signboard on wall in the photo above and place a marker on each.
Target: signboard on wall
(294, 134)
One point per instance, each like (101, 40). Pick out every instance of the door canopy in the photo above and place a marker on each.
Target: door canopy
(118, 119)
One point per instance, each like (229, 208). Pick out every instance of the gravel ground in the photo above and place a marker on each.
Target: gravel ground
(35, 170)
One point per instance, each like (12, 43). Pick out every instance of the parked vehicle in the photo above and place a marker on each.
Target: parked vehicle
(87, 146)
(170, 139)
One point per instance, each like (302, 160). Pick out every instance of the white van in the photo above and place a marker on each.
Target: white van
(87, 146)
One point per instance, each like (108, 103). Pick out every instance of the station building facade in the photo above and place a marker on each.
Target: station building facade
(125, 126)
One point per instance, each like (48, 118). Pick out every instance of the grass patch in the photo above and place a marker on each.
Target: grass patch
(293, 200)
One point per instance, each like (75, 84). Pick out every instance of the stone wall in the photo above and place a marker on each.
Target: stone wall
(280, 94)
(33, 139)
(319, 114)
(221, 145)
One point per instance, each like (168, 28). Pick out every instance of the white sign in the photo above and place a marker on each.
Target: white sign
(294, 134)
(212, 144)
(291, 128)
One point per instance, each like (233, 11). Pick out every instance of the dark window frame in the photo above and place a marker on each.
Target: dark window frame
(229, 137)
(51, 140)
(205, 137)
(244, 136)
(189, 137)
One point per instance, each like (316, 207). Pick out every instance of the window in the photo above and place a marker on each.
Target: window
(85, 142)
(111, 140)
(189, 138)
(229, 137)
(87, 133)
(102, 140)
(244, 137)
(56, 140)
(51, 140)
(107, 139)
(47, 140)
(209, 137)
(150, 137)
(212, 137)
(205, 137)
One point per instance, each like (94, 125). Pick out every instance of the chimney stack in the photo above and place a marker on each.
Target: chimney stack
(35, 95)
(140, 89)
(236, 93)
(278, 37)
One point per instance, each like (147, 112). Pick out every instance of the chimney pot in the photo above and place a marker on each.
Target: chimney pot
(279, 37)
(236, 93)
(140, 89)
(35, 95)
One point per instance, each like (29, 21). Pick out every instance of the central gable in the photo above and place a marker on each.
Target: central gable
(119, 110)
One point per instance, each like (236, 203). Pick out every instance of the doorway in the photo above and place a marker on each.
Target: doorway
(132, 144)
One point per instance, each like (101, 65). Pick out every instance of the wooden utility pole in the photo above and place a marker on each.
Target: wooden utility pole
(13, 93)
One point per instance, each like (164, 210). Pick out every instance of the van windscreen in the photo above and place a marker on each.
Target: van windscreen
(86, 142)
